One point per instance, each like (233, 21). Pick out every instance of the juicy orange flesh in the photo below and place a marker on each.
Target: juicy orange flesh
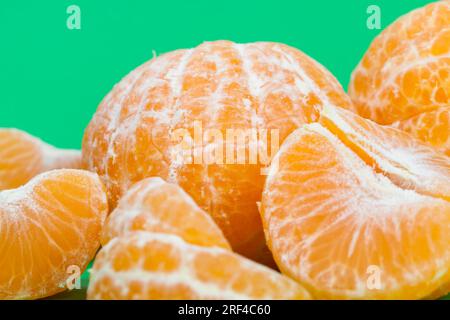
(432, 127)
(49, 225)
(405, 75)
(223, 86)
(406, 161)
(329, 216)
(14, 150)
(145, 265)
(23, 156)
(156, 206)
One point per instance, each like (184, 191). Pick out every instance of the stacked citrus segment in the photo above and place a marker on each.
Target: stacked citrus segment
(216, 87)
(406, 161)
(352, 209)
(404, 77)
(144, 265)
(157, 206)
(49, 231)
(160, 245)
(23, 156)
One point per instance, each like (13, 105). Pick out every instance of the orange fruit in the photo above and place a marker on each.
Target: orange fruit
(50, 229)
(144, 265)
(404, 77)
(154, 205)
(220, 86)
(352, 209)
(23, 156)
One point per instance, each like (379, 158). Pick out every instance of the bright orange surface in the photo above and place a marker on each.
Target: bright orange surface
(223, 85)
(154, 205)
(404, 77)
(347, 197)
(145, 265)
(23, 156)
(46, 227)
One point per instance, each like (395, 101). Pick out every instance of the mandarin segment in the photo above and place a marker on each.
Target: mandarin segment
(432, 127)
(46, 226)
(23, 156)
(404, 77)
(154, 205)
(221, 86)
(144, 265)
(406, 161)
(346, 198)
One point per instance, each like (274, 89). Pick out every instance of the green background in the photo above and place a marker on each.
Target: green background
(53, 78)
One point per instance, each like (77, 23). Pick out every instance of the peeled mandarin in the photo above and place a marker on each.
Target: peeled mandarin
(214, 88)
(404, 77)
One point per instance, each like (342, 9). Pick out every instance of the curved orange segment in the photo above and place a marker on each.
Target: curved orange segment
(49, 231)
(352, 209)
(23, 156)
(154, 205)
(144, 265)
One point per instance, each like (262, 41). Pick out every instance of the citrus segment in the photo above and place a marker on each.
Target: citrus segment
(405, 160)
(23, 156)
(432, 127)
(345, 221)
(143, 265)
(154, 205)
(49, 230)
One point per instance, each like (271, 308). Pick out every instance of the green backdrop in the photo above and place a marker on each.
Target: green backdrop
(53, 78)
